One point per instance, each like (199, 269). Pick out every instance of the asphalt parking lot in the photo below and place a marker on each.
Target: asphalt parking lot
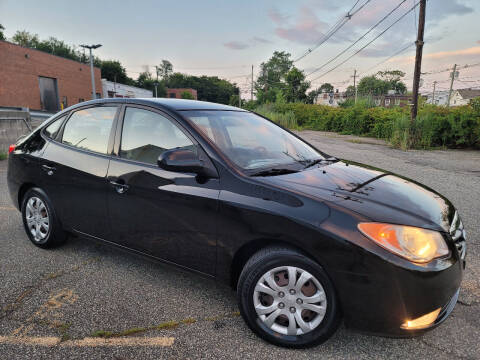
(56, 304)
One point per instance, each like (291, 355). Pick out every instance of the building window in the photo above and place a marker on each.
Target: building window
(172, 95)
(387, 102)
(397, 101)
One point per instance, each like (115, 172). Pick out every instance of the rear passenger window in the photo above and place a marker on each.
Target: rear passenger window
(89, 129)
(52, 130)
(146, 134)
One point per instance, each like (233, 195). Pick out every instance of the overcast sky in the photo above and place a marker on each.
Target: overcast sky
(225, 38)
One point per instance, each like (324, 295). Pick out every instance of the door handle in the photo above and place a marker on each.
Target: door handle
(119, 188)
(48, 169)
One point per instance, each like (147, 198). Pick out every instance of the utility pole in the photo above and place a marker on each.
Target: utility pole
(355, 83)
(251, 90)
(418, 58)
(156, 81)
(433, 95)
(91, 47)
(451, 84)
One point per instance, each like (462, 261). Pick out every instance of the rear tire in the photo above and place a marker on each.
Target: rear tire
(304, 309)
(40, 221)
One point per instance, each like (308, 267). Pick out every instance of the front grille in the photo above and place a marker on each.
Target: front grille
(457, 232)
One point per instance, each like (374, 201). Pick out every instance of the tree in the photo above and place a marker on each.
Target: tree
(350, 91)
(312, 96)
(2, 36)
(272, 73)
(209, 88)
(394, 79)
(165, 69)
(296, 86)
(112, 70)
(327, 88)
(187, 95)
(24, 38)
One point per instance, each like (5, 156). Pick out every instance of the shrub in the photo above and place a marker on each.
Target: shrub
(456, 127)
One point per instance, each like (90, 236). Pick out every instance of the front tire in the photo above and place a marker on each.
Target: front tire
(287, 299)
(40, 221)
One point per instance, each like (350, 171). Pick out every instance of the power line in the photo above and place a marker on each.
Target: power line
(370, 42)
(359, 39)
(390, 57)
(337, 26)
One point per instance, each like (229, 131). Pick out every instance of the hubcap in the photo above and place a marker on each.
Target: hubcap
(38, 221)
(290, 300)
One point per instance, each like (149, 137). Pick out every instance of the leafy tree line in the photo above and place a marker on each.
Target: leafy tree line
(209, 88)
(281, 82)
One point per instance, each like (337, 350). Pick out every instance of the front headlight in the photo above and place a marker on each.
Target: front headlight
(415, 244)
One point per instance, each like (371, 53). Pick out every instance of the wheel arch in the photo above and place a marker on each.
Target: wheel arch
(23, 190)
(244, 253)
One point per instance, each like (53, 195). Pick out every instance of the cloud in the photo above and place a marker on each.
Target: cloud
(306, 29)
(258, 39)
(236, 45)
(276, 17)
(241, 45)
(478, 41)
(473, 51)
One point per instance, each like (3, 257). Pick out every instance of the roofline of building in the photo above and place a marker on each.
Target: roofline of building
(44, 52)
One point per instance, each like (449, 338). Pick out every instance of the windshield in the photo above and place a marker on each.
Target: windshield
(252, 142)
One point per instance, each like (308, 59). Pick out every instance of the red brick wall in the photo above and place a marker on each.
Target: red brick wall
(19, 77)
(178, 93)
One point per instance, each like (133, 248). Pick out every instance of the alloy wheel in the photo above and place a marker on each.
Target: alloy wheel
(290, 300)
(37, 217)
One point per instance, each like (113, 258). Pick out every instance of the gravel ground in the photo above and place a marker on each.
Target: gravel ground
(83, 287)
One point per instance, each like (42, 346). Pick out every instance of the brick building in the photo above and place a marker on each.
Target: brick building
(177, 93)
(40, 81)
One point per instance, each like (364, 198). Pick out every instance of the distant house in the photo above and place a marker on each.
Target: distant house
(177, 93)
(392, 100)
(111, 89)
(441, 98)
(389, 100)
(331, 99)
(463, 96)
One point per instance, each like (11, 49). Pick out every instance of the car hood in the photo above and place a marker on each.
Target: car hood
(377, 194)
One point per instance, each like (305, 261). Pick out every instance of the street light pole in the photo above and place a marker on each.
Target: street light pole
(91, 47)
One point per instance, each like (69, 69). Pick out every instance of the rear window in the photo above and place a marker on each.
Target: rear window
(51, 130)
(89, 129)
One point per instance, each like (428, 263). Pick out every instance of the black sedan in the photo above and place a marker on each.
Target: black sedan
(305, 238)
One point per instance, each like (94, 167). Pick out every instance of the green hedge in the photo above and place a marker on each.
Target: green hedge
(456, 127)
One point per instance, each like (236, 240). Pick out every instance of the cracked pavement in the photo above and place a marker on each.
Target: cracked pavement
(68, 294)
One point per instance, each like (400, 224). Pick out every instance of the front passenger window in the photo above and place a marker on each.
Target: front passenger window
(146, 134)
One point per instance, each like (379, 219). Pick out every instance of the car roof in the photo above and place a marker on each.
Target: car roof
(166, 103)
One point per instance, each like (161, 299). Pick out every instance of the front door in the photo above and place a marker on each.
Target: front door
(75, 166)
(48, 93)
(169, 215)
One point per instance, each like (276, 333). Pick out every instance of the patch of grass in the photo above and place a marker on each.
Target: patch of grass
(3, 156)
(163, 326)
(63, 329)
(166, 325)
(189, 321)
(102, 334)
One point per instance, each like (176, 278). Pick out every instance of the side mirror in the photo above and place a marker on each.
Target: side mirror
(181, 160)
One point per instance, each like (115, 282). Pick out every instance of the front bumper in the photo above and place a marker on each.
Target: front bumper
(382, 297)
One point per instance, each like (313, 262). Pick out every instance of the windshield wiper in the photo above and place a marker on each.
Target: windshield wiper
(274, 172)
(320, 160)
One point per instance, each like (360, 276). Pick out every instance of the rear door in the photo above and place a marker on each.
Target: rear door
(169, 215)
(75, 167)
